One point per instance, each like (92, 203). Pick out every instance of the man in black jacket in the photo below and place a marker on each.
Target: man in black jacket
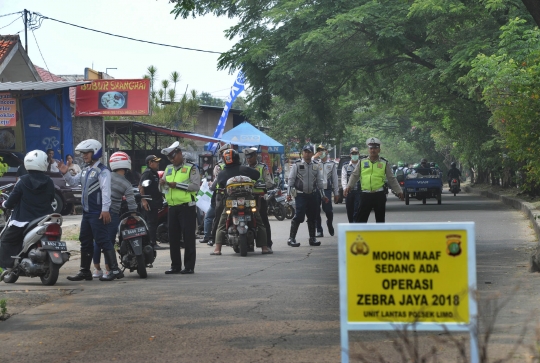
(31, 199)
(151, 207)
(453, 173)
(233, 168)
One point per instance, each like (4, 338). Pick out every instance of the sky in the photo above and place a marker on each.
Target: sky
(68, 50)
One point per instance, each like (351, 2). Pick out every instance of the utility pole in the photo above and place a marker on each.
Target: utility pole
(26, 30)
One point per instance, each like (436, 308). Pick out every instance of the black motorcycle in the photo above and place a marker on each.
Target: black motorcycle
(135, 250)
(274, 199)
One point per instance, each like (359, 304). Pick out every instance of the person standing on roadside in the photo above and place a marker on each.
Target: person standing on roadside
(330, 184)
(352, 200)
(150, 208)
(53, 163)
(372, 172)
(95, 180)
(305, 180)
(180, 184)
(264, 178)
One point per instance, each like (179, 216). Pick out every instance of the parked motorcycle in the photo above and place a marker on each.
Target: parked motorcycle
(454, 186)
(274, 199)
(43, 252)
(240, 206)
(135, 250)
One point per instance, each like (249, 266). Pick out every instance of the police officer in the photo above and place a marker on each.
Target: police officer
(265, 178)
(352, 201)
(330, 183)
(233, 168)
(181, 182)
(95, 180)
(305, 180)
(151, 207)
(372, 172)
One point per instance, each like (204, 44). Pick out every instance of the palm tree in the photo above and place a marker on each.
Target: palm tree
(160, 94)
(165, 85)
(175, 78)
(172, 95)
(152, 74)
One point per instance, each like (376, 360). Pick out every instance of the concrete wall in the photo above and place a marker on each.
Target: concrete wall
(87, 128)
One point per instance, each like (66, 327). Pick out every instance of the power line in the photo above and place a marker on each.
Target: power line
(124, 37)
(17, 12)
(5, 26)
(46, 66)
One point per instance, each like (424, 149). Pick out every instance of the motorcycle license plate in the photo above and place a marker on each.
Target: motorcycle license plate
(241, 218)
(134, 232)
(54, 245)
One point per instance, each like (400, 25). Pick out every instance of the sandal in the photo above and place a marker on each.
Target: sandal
(215, 253)
(269, 252)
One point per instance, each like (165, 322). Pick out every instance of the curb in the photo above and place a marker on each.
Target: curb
(527, 208)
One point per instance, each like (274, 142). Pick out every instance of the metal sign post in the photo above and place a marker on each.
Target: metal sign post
(418, 276)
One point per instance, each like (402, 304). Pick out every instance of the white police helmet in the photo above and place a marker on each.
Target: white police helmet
(171, 149)
(36, 160)
(373, 140)
(90, 145)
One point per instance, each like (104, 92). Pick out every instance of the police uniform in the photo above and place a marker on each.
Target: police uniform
(306, 179)
(266, 178)
(352, 201)
(182, 216)
(330, 184)
(372, 175)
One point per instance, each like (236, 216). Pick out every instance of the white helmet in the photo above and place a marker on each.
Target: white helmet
(171, 149)
(225, 147)
(36, 160)
(90, 145)
(373, 140)
(120, 160)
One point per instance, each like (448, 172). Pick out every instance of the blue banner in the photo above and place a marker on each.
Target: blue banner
(236, 89)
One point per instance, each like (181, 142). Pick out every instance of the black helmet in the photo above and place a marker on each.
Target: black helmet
(231, 157)
(423, 161)
(432, 164)
(453, 164)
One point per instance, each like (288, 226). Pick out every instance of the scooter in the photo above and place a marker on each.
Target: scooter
(43, 252)
(135, 250)
(454, 186)
(274, 198)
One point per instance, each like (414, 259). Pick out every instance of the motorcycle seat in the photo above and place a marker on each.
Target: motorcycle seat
(31, 225)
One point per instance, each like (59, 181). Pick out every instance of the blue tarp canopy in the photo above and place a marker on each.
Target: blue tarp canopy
(247, 134)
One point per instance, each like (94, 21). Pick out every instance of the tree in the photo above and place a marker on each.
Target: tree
(207, 99)
(175, 78)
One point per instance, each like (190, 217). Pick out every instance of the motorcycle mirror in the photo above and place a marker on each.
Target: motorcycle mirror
(146, 183)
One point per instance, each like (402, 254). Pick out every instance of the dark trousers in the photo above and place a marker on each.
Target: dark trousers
(112, 228)
(93, 229)
(11, 245)
(263, 211)
(306, 205)
(208, 222)
(182, 223)
(151, 218)
(326, 207)
(352, 204)
(369, 201)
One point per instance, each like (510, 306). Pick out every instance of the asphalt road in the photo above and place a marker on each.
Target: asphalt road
(273, 308)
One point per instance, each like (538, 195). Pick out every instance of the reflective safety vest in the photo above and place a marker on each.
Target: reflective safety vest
(260, 168)
(372, 174)
(177, 196)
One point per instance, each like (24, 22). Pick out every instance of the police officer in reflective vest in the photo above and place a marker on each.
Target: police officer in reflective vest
(372, 172)
(305, 180)
(330, 184)
(352, 201)
(264, 178)
(180, 184)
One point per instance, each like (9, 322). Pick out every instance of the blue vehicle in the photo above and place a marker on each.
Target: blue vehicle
(423, 184)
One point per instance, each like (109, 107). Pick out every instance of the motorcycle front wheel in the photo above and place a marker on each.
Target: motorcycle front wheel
(51, 276)
(279, 212)
(141, 267)
(10, 278)
(242, 241)
(290, 212)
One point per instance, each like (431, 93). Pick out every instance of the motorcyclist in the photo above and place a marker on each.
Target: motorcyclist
(453, 173)
(31, 199)
(233, 168)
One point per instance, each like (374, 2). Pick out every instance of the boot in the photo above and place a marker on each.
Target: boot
(292, 239)
(330, 226)
(115, 272)
(312, 239)
(84, 272)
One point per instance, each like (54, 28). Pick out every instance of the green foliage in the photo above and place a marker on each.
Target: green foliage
(3, 166)
(3, 307)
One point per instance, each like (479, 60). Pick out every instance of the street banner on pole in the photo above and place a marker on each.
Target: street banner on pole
(420, 276)
(236, 89)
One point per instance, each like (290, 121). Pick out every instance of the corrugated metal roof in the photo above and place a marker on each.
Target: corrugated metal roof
(38, 86)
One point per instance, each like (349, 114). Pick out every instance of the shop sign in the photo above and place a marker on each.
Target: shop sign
(8, 110)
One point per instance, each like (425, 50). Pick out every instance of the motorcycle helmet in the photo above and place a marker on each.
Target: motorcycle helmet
(171, 151)
(36, 160)
(423, 161)
(432, 164)
(231, 157)
(453, 164)
(120, 160)
(222, 149)
(400, 164)
(90, 145)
